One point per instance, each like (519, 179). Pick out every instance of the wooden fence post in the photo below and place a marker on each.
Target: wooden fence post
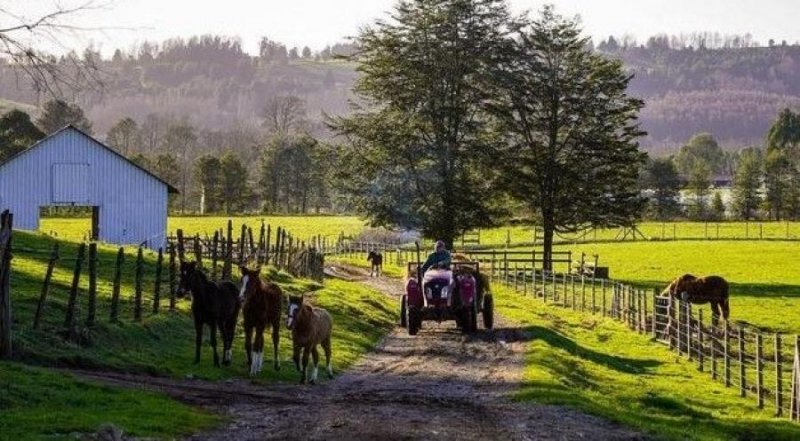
(6, 232)
(759, 372)
(91, 312)
(603, 294)
(157, 287)
(69, 320)
(137, 301)
(181, 246)
(51, 264)
(173, 270)
(261, 241)
(198, 251)
(689, 330)
(795, 406)
(726, 355)
(778, 377)
(114, 315)
(227, 265)
(700, 347)
(214, 255)
(742, 378)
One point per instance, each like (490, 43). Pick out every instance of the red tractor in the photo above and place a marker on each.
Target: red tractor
(446, 294)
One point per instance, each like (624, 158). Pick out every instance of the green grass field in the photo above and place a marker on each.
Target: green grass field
(764, 276)
(301, 227)
(654, 231)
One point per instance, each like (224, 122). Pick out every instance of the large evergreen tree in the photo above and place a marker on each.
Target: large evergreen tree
(414, 149)
(572, 154)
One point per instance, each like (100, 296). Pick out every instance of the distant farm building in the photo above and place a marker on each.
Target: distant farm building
(70, 168)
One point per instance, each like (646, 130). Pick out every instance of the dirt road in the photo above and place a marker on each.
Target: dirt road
(440, 384)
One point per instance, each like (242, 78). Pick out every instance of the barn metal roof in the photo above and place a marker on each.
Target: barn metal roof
(170, 188)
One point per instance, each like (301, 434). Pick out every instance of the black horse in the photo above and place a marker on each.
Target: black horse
(214, 304)
(377, 263)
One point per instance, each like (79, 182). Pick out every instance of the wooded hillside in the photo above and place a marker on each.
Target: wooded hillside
(728, 88)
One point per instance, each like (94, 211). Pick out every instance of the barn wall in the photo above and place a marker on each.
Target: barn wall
(133, 204)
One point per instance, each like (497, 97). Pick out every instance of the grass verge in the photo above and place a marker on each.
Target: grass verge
(38, 404)
(600, 367)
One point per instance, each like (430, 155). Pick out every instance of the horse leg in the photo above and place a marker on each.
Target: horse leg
(214, 342)
(296, 356)
(305, 366)
(715, 309)
(276, 339)
(248, 343)
(226, 347)
(315, 360)
(326, 347)
(198, 339)
(258, 351)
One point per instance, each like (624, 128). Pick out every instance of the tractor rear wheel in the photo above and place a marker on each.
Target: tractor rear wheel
(488, 312)
(403, 318)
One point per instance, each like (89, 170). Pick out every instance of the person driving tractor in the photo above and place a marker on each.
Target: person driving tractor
(439, 258)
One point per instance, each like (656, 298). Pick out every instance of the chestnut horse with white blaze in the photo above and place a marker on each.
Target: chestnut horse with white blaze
(310, 327)
(262, 308)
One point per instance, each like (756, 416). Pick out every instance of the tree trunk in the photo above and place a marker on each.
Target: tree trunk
(547, 252)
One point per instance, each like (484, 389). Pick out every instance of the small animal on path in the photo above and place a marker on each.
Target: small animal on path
(214, 304)
(310, 327)
(376, 258)
(261, 309)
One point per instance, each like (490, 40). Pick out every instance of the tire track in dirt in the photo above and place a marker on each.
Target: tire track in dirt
(440, 384)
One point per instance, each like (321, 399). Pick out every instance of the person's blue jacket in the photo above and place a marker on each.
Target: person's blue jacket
(437, 258)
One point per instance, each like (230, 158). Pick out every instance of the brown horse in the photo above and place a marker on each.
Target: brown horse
(701, 290)
(310, 327)
(262, 308)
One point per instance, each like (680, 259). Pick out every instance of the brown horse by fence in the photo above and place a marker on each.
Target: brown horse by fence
(310, 327)
(699, 290)
(213, 304)
(262, 308)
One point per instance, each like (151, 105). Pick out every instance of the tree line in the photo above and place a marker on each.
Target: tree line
(765, 180)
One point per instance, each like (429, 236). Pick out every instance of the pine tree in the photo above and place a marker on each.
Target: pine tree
(58, 114)
(747, 183)
(572, 150)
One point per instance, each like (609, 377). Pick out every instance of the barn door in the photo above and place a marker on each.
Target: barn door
(95, 223)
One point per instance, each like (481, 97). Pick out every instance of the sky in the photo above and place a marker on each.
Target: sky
(317, 23)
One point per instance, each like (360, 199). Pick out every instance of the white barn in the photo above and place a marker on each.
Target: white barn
(70, 168)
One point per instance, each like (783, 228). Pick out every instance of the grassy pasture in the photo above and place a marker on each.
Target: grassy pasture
(655, 231)
(764, 276)
(302, 227)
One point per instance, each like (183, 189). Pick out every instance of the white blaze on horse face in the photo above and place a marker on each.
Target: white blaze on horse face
(291, 315)
(245, 279)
